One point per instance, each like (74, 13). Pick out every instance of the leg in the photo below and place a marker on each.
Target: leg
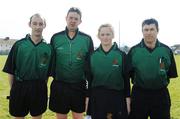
(119, 107)
(38, 102)
(37, 117)
(61, 116)
(99, 104)
(139, 104)
(76, 115)
(78, 100)
(19, 118)
(18, 101)
(161, 105)
(59, 99)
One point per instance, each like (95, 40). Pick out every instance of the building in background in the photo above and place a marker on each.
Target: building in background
(176, 49)
(5, 45)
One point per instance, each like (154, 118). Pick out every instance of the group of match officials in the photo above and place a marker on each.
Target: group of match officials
(97, 82)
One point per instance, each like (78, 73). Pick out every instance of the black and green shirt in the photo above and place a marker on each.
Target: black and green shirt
(71, 56)
(151, 68)
(29, 61)
(108, 69)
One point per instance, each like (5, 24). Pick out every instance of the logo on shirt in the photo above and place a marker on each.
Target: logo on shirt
(115, 63)
(44, 60)
(60, 48)
(79, 55)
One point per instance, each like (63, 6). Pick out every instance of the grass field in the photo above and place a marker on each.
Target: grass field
(174, 88)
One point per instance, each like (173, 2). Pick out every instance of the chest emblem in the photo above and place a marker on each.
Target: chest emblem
(115, 62)
(44, 60)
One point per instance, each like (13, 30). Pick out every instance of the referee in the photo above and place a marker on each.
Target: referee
(72, 49)
(27, 66)
(150, 65)
(110, 89)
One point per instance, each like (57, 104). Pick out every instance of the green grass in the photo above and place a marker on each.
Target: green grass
(174, 88)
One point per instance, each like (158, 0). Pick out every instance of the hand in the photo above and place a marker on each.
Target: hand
(128, 102)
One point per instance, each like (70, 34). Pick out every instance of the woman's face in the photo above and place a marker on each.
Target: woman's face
(106, 35)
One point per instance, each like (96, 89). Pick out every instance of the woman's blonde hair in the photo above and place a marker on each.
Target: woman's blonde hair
(106, 25)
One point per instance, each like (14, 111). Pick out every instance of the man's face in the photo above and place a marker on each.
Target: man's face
(106, 35)
(73, 20)
(150, 33)
(37, 24)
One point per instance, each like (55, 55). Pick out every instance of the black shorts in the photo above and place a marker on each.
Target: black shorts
(28, 96)
(67, 96)
(106, 103)
(153, 103)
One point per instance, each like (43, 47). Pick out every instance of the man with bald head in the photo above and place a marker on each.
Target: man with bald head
(28, 68)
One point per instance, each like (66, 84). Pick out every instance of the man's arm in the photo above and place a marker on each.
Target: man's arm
(172, 72)
(11, 79)
(126, 83)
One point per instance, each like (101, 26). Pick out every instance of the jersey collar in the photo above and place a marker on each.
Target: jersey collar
(66, 30)
(142, 44)
(29, 38)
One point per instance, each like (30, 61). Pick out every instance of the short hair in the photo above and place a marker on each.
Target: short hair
(106, 25)
(37, 15)
(150, 21)
(75, 9)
